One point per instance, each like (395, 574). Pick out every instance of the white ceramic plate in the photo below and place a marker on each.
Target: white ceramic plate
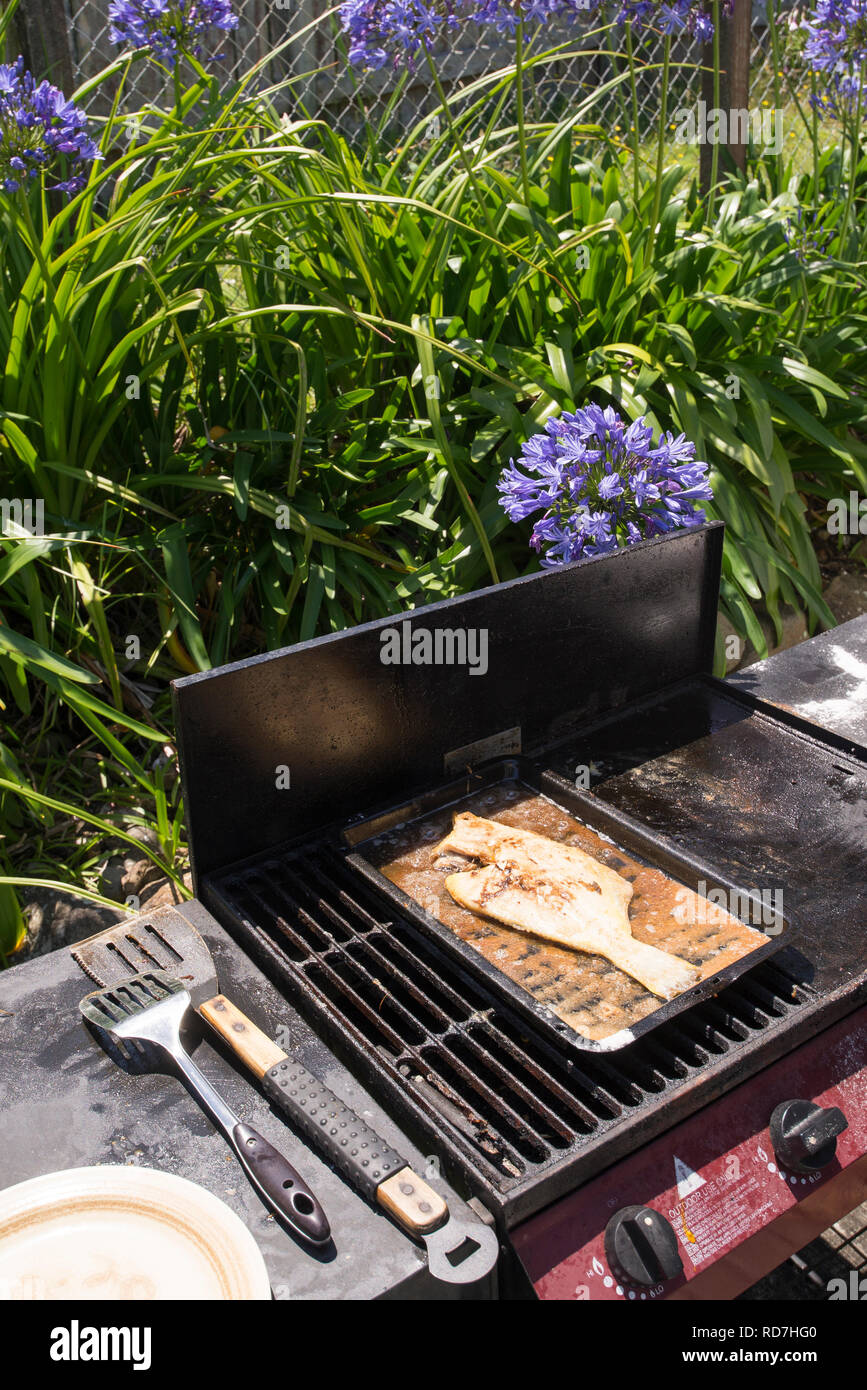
(124, 1233)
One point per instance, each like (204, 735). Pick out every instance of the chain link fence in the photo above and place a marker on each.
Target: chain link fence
(323, 85)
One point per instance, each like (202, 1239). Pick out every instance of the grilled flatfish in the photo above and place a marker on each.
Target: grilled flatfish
(558, 892)
(490, 841)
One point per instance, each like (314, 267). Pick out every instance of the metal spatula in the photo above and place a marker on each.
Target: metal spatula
(145, 1015)
(460, 1248)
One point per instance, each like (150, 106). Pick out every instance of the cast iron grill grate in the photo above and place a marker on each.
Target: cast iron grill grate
(468, 1069)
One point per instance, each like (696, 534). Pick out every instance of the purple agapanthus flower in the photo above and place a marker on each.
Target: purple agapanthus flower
(599, 484)
(836, 47)
(396, 30)
(808, 238)
(38, 126)
(667, 17)
(170, 28)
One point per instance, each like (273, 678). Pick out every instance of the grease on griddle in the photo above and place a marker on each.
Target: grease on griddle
(586, 992)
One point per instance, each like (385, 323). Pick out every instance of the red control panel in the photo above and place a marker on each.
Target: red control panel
(720, 1186)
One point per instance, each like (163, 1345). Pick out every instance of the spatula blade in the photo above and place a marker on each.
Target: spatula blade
(111, 1006)
(163, 940)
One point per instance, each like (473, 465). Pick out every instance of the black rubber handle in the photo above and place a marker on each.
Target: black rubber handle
(282, 1187)
(353, 1147)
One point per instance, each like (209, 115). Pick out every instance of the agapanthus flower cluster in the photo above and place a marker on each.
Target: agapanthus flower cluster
(396, 30)
(379, 30)
(807, 237)
(677, 17)
(38, 126)
(836, 47)
(170, 28)
(600, 484)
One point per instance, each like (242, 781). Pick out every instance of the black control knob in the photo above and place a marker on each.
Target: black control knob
(804, 1135)
(641, 1247)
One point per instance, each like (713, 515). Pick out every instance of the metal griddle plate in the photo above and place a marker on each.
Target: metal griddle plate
(585, 1001)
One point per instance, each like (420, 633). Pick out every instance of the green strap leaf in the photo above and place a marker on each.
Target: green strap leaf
(31, 654)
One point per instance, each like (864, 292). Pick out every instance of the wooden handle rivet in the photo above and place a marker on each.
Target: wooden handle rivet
(414, 1205)
(249, 1042)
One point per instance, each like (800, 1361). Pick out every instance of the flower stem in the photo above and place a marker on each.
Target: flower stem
(519, 96)
(775, 50)
(636, 183)
(615, 58)
(714, 155)
(35, 245)
(660, 148)
(855, 150)
(814, 133)
(853, 159)
(462, 154)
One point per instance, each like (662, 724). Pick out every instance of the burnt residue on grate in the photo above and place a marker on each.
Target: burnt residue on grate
(494, 1100)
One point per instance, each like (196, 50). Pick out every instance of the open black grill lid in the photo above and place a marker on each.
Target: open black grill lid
(563, 647)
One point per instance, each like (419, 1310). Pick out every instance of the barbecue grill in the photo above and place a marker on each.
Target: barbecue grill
(672, 1163)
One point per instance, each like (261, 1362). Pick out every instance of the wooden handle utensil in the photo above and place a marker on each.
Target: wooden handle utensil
(352, 1146)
